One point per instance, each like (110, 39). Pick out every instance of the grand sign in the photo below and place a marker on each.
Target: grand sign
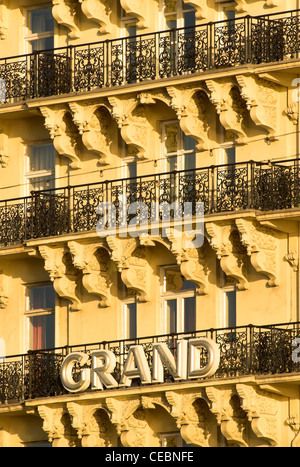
(97, 367)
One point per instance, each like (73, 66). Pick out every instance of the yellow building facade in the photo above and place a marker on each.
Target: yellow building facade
(149, 223)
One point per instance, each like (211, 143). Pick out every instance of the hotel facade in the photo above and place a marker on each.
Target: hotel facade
(149, 223)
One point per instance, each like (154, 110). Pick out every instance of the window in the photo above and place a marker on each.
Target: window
(41, 318)
(178, 302)
(178, 15)
(40, 171)
(130, 321)
(171, 440)
(179, 150)
(40, 30)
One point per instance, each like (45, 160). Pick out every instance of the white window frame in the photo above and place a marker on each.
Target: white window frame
(31, 313)
(37, 173)
(179, 296)
(180, 153)
(28, 36)
(179, 14)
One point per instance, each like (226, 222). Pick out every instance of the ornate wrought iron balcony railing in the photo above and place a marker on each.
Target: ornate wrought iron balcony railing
(248, 350)
(224, 188)
(159, 55)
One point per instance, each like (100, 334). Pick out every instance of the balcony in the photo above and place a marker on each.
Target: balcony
(248, 350)
(253, 185)
(153, 56)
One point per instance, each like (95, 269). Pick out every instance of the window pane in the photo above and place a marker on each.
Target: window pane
(41, 298)
(189, 18)
(131, 317)
(42, 157)
(189, 314)
(41, 20)
(42, 332)
(171, 306)
(171, 136)
(42, 44)
(231, 309)
(41, 183)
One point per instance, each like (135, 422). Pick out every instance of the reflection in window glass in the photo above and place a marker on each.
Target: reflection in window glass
(41, 20)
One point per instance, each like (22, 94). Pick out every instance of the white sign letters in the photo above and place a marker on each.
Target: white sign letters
(96, 368)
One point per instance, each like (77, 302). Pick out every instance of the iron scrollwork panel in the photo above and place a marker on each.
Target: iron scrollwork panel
(85, 204)
(140, 59)
(232, 190)
(192, 50)
(89, 68)
(230, 44)
(14, 85)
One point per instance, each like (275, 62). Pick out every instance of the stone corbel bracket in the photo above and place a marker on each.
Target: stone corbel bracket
(262, 244)
(225, 405)
(63, 132)
(131, 262)
(94, 262)
(65, 12)
(224, 240)
(262, 411)
(200, 7)
(94, 124)
(262, 101)
(3, 20)
(58, 264)
(192, 261)
(139, 9)
(4, 153)
(131, 118)
(57, 425)
(229, 105)
(192, 108)
(98, 11)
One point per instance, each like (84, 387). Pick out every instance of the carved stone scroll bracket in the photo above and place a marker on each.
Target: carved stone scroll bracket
(292, 258)
(63, 132)
(98, 11)
(226, 406)
(192, 261)
(3, 20)
(192, 108)
(262, 412)
(133, 265)
(224, 240)
(94, 124)
(262, 101)
(65, 12)
(230, 106)
(139, 9)
(200, 7)
(58, 263)
(94, 262)
(262, 244)
(4, 151)
(57, 425)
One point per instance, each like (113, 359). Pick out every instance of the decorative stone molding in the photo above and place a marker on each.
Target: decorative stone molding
(58, 263)
(94, 124)
(292, 113)
(138, 8)
(262, 246)
(192, 261)
(192, 108)
(98, 11)
(230, 106)
(4, 154)
(262, 411)
(57, 425)
(225, 241)
(293, 260)
(63, 132)
(200, 7)
(91, 424)
(225, 404)
(262, 101)
(94, 262)
(3, 299)
(131, 261)
(3, 20)
(65, 12)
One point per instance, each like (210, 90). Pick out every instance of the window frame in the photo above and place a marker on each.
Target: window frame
(179, 296)
(180, 153)
(32, 313)
(28, 35)
(29, 175)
